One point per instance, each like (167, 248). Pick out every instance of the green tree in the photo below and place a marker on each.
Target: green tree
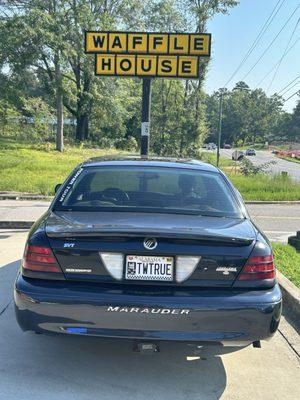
(249, 116)
(42, 49)
(41, 116)
(294, 133)
(48, 36)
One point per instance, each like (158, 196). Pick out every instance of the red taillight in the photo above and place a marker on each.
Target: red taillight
(39, 250)
(41, 259)
(258, 268)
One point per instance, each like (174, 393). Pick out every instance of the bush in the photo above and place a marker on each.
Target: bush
(247, 168)
(128, 144)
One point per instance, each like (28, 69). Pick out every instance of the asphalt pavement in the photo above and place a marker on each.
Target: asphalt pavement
(38, 367)
(264, 156)
(276, 220)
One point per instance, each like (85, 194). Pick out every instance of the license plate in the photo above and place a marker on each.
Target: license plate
(148, 268)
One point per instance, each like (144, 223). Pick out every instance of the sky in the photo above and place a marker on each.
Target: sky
(232, 37)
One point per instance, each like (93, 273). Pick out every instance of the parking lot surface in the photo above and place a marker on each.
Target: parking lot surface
(51, 367)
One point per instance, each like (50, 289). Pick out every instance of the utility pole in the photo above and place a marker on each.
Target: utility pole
(220, 126)
(145, 128)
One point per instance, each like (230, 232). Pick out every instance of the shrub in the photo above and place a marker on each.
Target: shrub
(129, 144)
(247, 168)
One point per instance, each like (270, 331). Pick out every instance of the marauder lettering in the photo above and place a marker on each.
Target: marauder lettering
(141, 310)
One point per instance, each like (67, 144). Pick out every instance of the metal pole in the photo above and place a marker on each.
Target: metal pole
(220, 128)
(146, 105)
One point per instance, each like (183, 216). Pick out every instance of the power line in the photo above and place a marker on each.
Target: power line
(281, 90)
(295, 84)
(272, 69)
(272, 42)
(294, 94)
(283, 55)
(257, 39)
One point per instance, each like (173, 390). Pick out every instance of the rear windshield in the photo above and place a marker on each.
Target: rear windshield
(148, 189)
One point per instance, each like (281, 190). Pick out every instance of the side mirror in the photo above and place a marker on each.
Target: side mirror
(57, 187)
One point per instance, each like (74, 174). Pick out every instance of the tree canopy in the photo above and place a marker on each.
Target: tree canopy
(47, 81)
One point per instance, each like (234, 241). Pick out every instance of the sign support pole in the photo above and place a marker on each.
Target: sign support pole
(146, 106)
(220, 128)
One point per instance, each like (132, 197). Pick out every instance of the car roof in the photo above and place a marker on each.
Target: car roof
(149, 162)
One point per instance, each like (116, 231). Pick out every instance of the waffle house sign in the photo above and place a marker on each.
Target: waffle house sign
(141, 54)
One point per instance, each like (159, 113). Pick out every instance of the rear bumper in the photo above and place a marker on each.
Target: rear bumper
(190, 315)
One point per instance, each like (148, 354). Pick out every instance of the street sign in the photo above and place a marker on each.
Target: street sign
(143, 65)
(168, 55)
(147, 55)
(197, 44)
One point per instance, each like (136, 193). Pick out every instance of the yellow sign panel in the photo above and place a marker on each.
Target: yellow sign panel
(125, 65)
(147, 65)
(199, 45)
(117, 43)
(137, 42)
(152, 54)
(188, 66)
(167, 66)
(179, 44)
(95, 41)
(148, 43)
(106, 64)
(158, 43)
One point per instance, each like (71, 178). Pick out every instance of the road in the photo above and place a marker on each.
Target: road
(38, 367)
(263, 156)
(277, 221)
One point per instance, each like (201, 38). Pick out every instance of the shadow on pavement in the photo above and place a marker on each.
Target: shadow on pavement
(8, 274)
(67, 367)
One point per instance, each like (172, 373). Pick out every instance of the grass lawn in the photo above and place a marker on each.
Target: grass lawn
(259, 187)
(211, 158)
(292, 159)
(287, 261)
(37, 168)
(266, 188)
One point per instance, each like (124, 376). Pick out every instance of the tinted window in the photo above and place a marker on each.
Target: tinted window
(148, 189)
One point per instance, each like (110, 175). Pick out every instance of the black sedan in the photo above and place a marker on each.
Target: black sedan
(148, 249)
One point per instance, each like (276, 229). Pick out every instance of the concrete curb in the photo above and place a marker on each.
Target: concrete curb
(291, 297)
(16, 224)
(24, 196)
(259, 202)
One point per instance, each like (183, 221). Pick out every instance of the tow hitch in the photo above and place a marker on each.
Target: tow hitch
(145, 347)
(257, 344)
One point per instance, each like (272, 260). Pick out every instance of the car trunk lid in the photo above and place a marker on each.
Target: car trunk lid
(79, 238)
